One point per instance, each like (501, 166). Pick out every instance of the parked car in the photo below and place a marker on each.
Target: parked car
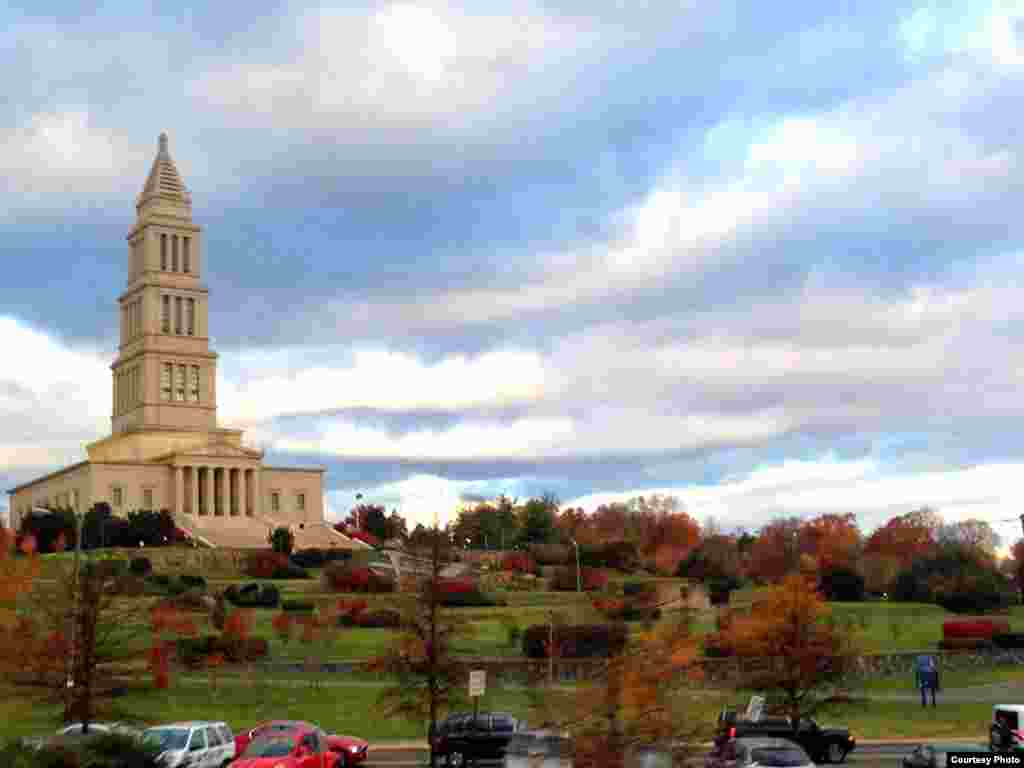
(463, 739)
(75, 729)
(935, 755)
(765, 752)
(301, 747)
(351, 750)
(1006, 734)
(200, 744)
(526, 748)
(823, 745)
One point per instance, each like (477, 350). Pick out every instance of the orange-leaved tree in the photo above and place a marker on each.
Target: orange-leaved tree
(832, 540)
(788, 648)
(637, 698)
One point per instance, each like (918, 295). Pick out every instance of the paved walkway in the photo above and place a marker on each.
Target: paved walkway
(993, 693)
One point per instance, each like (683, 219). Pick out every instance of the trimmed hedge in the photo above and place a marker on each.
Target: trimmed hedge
(1008, 640)
(193, 651)
(265, 564)
(140, 566)
(318, 558)
(253, 596)
(983, 629)
(576, 641)
(382, 619)
(192, 581)
(342, 577)
(591, 579)
(297, 606)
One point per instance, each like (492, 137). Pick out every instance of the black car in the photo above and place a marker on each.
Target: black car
(462, 739)
(824, 745)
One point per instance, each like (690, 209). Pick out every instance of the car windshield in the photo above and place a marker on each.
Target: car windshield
(168, 738)
(779, 757)
(269, 748)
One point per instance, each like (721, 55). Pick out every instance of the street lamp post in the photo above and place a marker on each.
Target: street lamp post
(579, 580)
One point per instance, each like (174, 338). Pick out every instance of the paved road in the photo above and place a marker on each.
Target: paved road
(865, 756)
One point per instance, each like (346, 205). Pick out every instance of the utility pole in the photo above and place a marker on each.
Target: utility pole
(579, 580)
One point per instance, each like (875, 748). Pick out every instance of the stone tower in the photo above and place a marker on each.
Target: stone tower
(164, 376)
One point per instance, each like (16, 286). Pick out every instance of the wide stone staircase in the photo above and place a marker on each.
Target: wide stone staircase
(253, 532)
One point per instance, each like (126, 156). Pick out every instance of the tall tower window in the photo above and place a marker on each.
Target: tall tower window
(174, 253)
(163, 252)
(186, 254)
(178, 315)
(179, 384)
(193, 390)
(165, 315)
(190, 316)
(165, 381)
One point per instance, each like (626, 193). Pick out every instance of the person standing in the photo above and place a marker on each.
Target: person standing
(926, 677)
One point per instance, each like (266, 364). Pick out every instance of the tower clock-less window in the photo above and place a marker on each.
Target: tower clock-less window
(118, 497)
(147, 499)
(186, 254)
(179, 384)
(300, 502)
(275, 502)
(165, 314)
(190, 316)
(163, 252)
(165, 381)
(178, 324)
(193, 384)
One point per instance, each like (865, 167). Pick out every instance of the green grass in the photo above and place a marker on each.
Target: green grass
(952, 678)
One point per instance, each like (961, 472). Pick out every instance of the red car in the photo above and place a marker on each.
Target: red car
(301, 747)
(350, 750)
(269, 728)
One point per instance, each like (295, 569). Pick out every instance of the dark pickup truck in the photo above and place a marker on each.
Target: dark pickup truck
(824, 745)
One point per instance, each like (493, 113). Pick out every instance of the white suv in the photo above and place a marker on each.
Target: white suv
(195, 744)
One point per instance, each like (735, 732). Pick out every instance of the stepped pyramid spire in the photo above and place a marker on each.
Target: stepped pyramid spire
(164, 181)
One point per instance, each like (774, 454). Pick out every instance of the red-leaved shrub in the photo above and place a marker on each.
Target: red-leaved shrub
(591, 579)
(974, 628)
(340, 577)
(264, 564)
(518, 562)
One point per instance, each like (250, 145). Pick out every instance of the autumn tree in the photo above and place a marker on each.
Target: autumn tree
(905, 537)
(972, 535)
(776, 551)
(788, 648)
(428, 679)
(638, 698)
(832, 540)
(1016, 565)
(537, 520)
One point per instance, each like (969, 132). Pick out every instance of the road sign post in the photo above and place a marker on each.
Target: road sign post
(477, 686)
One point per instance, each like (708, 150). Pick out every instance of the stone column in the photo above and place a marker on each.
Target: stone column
(257, 493)
(194, 474)
(204, 473)
(233, 490)
(179, 491)
(223, 495)
(243, 499)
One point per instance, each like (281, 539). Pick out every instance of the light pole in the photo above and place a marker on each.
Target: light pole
(579, 580)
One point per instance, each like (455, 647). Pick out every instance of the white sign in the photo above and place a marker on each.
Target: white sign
(755, 708)
(477, 683)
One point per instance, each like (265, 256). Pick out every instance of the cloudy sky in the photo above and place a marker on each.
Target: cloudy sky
(765, 257)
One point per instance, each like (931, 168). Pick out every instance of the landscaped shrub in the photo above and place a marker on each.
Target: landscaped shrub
(841, 584)
(576, 641)
(192, 600)
(264, 564)
(297, 606)
(290, 571)
(958, 580)
(194, 651)
(253, 596)
(591, 579)
(129, 586)
(193, 581)
(281, 540)
(518, 562)
(382, 619)
(140, 566)
(974, 628)
(162, 584)
(618, 555)
(101, 750)
(1008, 639)
(342, 577)
(964, 643)
(549, 554)
(349, 612)
(318, 558)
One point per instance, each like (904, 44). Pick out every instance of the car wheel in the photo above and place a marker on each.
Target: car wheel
(835, 753)
(341, 761)
(456, 760)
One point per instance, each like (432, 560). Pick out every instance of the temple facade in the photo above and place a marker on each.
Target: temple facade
(166, 450)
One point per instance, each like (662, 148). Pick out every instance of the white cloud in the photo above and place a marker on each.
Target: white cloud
(53, 399)
(409, 63)
(384, 380)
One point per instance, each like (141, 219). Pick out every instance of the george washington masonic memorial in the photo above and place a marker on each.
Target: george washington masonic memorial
(166, 450)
